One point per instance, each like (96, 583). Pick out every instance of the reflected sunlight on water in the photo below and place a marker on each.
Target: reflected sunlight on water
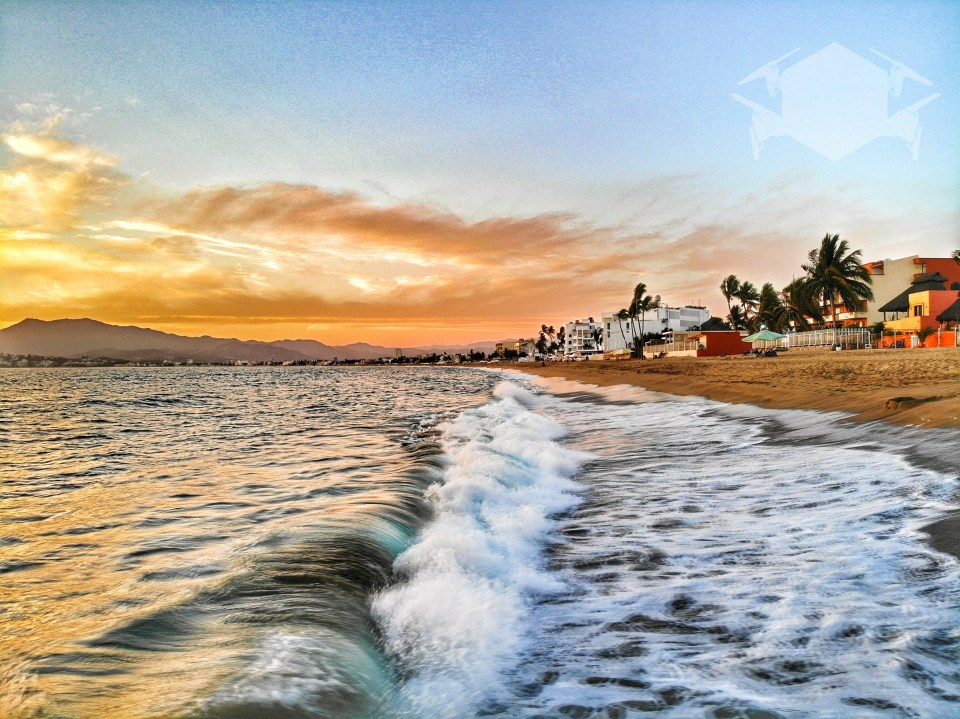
(155, 522)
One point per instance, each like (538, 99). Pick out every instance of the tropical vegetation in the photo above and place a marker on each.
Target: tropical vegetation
(640, 304)
(834, 277)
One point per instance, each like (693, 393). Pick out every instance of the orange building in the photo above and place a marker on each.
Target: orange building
(888, 278)
(926, 298)
(927, 305)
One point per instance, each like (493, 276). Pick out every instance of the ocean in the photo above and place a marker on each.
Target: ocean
(446, 543)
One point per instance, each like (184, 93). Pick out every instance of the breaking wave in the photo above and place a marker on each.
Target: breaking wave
(459, 617)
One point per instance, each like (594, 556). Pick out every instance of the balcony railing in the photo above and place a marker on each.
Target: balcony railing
(904, 324)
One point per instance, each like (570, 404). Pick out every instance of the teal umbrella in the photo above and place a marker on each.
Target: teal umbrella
(764, 336)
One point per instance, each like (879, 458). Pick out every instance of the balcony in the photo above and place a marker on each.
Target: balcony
(905, 324)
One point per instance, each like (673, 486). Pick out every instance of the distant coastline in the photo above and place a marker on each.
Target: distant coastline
(87, 342)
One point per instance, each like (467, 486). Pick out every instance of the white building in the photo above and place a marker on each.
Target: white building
(679, 319)
(618, 333)
(579, 338)
(528, 347)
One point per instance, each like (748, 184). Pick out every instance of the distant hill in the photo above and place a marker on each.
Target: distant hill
(75, 338)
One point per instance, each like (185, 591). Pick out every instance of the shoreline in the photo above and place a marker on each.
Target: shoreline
(915, 388)
(860, 385)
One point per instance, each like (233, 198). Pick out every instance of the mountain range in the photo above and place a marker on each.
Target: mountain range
(75, 338)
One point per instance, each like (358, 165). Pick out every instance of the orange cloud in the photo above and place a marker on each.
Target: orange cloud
(307, 217)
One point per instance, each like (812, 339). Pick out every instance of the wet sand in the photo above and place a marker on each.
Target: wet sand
(915, 388)
(918, 388)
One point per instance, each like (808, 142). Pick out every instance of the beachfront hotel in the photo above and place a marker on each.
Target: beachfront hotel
(890, 278)
(580, 338)
(617, 333)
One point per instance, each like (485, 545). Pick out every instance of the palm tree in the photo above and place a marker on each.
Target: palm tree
(797, 305)
(770, 310)
(736, 318)
(552, 344)
(729, 288)
(633, 311)
(598, 338)
(638, 292)
(923, 333)
(837, 276)
(644, 305)
(621, 316)
(749, 298)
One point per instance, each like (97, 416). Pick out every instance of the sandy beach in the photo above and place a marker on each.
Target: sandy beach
(909, 387)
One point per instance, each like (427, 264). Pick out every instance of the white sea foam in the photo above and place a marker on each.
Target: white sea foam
(458, 619)
(716, 568)
(708, 563)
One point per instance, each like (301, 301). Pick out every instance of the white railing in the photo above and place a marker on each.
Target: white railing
(685, 346)
(844, 337)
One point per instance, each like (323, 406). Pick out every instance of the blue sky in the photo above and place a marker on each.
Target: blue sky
(616, 114)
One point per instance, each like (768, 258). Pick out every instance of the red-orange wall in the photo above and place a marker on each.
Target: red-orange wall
(945, 266)
(722, 343)
(939, 301)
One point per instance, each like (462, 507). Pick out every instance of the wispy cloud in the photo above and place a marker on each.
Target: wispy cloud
(51, 182)
(58, 151)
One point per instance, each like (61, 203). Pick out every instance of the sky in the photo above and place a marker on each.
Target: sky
(416, 173)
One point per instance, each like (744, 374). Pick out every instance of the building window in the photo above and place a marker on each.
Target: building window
(918, 310)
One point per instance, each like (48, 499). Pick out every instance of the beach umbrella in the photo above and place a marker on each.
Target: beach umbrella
(764, 336)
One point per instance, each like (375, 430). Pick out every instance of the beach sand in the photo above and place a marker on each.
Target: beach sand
(917, 387)
(914, 387)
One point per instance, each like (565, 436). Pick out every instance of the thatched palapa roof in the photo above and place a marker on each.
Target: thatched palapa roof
(923, 283)
(951, 314)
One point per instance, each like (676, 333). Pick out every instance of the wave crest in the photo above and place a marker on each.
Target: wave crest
(458, 620)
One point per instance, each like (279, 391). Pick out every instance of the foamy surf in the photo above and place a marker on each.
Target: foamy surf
(719, 570)
(458, 619)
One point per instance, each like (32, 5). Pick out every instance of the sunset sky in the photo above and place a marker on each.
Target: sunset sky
(417, 173)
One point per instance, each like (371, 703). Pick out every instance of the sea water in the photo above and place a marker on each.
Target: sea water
(396, 542)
